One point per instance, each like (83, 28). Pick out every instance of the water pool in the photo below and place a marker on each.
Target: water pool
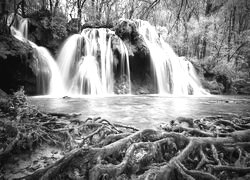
(145, 111)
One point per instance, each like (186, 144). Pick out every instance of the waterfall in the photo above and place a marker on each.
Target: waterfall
(23, 27)
(87, 79)
(125, 64)
(96, 62)
(49, 79)
(173, 74)
(88, 65)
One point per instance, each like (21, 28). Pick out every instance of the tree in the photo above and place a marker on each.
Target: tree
(6, 8)
(53, 6)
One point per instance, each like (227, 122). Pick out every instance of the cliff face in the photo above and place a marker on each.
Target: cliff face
(16, 65)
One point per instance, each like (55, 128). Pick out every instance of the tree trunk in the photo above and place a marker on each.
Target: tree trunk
(229, 36)
(79, 15)
(4, 12)
(56, 7)
(3, 24)
(99, 15)
(93, 10)
(22, 6)
(51, 6)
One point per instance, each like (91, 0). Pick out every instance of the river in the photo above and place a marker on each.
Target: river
(146, 111)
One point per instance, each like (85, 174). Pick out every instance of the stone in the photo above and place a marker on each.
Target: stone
(3, 94)
(139, 55)
(213, 86)
(242, 86)
(16, 65)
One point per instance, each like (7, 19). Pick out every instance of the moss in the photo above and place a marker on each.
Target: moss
(10, 46)
(16, 65)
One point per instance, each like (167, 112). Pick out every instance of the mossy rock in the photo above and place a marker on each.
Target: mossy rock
(16, 65)
(10, 46)
(139, 55)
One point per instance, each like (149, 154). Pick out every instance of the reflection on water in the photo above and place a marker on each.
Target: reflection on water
(145, 111)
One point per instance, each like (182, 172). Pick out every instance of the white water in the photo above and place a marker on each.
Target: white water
(88, 65)
(49, 79)
(87, 77)
(125, 61)
(67, 59)
(23, 27)
(174, 75)
(48, 67)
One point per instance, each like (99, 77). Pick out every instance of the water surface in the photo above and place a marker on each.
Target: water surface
(145, 111)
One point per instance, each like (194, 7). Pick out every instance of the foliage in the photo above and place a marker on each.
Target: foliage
(56, 25)
(72, 26)
(216, 33)
(217, 38)
(26, 126)
(18, 102)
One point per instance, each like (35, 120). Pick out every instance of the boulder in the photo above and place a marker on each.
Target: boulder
(3, 94)
(16, 62)
(213, 86)
(139, 56)
(3, 98)
(47, 31)
(242, 86)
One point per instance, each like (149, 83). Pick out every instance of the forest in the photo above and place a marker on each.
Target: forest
(214, 35)
(104, 50)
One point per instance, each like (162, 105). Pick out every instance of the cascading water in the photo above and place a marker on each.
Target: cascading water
(87, 77)
(88, 65)
(125, 64)
(173, 74)
(23, 27)
(48, 75)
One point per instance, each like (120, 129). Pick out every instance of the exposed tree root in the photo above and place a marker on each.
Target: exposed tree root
(96, 149)
(140, 155)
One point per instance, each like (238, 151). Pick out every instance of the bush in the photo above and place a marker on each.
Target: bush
(56, 25)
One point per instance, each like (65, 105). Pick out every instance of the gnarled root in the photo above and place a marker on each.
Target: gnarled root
(210, 148)
(195, 152)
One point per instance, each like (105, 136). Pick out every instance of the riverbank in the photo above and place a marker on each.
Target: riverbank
(39, 145)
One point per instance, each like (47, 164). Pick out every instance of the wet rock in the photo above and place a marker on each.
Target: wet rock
(186, 122)
(213, 87)
(139, 56)
(215, 82)
(242, 86)
(3, 94)
(142, 91)
(16, 65)
(225, 81)
(46, 31)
